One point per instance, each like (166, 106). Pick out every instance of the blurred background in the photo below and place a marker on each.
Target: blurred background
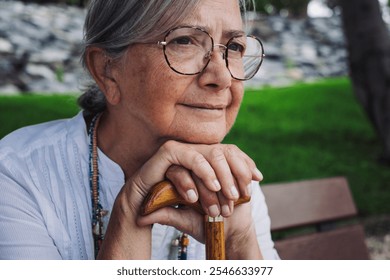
(319, 106)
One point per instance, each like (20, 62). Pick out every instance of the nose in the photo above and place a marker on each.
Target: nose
(216, 74)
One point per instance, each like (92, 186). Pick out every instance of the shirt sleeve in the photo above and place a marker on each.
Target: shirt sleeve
(23, 231)
(262, 223)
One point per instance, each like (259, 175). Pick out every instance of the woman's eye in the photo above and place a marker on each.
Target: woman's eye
(236, 47)
(182, 41)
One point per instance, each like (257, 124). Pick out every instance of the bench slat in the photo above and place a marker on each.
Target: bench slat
(308, 202)
(345, 243)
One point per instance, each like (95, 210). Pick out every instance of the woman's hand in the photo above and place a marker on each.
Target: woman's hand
(217, 175)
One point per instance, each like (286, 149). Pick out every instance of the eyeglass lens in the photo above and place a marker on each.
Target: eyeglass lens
(187, 51)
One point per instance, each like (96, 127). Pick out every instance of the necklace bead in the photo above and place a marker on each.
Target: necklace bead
(97, 210)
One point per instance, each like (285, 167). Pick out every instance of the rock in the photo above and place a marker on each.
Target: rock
(5, 46)
(295, 74)
(40, 48)
(50, 56)
(9, 90)
(308, 53)
(40, 72)
(272, 52)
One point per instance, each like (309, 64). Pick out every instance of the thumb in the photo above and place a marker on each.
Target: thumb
(185, 220)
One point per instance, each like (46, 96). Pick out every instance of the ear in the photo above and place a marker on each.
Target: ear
(99, 65)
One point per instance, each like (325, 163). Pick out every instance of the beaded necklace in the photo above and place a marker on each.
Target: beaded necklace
(97, 210)
(180, 243)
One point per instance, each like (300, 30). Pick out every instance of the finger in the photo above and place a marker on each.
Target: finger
(240, 168)
(218, 161)
(237, 161)
(234, 150)
(183, 182)
(175, 153)
(227, 206)
(256, 173)
(208, 199)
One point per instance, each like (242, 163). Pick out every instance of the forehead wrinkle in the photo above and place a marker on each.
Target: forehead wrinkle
(227, 34)
(198, 19)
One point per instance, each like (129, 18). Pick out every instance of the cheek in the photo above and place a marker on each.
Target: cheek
(151, 72)
(142, 89)
(163, 89)
(150, 81)
(232, 111)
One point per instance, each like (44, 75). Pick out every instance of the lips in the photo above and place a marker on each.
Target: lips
(206, 106)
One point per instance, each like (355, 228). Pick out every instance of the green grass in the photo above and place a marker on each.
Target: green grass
(19, 111)
(314, 131)
(298, 132)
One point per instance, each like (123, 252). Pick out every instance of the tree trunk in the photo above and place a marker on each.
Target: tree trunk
(368, 43)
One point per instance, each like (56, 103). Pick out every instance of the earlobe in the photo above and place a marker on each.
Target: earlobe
(100, 67)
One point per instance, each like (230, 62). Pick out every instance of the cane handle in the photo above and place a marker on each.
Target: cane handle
(164, 194)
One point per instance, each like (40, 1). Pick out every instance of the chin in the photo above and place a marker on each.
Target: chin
(199, 133)
(204, 138)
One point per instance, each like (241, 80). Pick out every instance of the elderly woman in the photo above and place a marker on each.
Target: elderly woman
(168, 82)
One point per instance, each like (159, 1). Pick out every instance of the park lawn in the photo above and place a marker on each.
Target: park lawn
(19, 111)
(313, 131)
(298, 132)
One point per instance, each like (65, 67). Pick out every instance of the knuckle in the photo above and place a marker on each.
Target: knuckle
(185, 183)
(231, 150)
(181, 177)
(169, 145)
(199, 160)
(243, 175)
(209, 198)
(174, 171)
(246, 177)
(217, 154)
(251, 163)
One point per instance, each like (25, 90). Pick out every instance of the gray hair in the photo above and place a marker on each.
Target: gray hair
(113, 25)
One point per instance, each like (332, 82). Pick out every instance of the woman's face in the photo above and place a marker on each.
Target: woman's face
(166, 105)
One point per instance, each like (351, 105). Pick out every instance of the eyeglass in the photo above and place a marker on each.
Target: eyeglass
(188, 51)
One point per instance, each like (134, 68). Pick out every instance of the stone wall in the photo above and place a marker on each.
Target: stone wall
(40, 49)
(300, 50)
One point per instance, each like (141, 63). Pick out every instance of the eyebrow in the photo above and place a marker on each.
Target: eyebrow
(226, 33)
(233, 33)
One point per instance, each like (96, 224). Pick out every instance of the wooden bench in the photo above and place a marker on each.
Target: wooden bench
(325, 205)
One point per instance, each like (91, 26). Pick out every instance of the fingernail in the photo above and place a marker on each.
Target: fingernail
(225, 210)
(191, 195)
(259, 174)
(213, 210)
(249, 189)
(233, 191)
(217, 185)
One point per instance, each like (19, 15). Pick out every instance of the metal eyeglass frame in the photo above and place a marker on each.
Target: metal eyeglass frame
(209, 54)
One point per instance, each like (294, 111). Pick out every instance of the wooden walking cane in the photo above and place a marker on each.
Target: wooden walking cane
(164, 194)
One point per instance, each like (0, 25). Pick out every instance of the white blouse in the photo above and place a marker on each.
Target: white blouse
(45, 199)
